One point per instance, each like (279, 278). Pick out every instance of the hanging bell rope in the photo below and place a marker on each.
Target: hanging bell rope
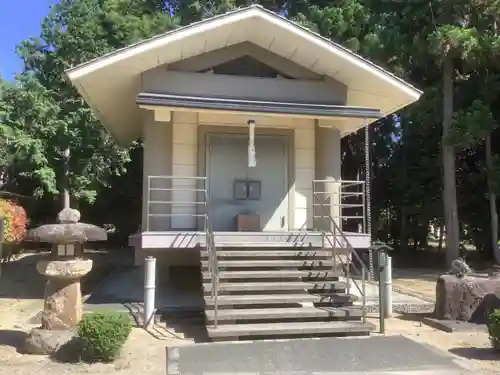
(368, 198)
(252, 162)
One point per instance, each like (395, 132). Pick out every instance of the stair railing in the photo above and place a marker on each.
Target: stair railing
(335, 232)
(213, 267)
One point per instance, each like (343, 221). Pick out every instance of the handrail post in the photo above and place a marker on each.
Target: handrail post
(148, 203)
(363, 293)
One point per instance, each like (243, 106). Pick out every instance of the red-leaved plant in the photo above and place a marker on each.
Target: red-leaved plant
(15, 221)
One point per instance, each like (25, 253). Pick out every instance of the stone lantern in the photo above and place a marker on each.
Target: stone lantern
(63, 270)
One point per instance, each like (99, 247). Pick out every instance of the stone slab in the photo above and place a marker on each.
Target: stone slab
(454, 325)
(43, 342)
(467, 299)
(373, 355)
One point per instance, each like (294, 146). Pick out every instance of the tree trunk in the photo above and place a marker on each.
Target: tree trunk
(403, 241)
(492, 200)
(449, 179)
(66, 196)
(441, 236)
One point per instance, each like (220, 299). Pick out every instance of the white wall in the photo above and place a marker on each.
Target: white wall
(185, 151)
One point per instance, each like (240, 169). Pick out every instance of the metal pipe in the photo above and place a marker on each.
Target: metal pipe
(388, 287)
(381, 297)
(149, 290)
(363, 293)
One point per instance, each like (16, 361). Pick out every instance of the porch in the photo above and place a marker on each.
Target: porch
(175, 224)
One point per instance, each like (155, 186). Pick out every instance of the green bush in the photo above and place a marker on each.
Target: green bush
(103, 335)
(494, 328)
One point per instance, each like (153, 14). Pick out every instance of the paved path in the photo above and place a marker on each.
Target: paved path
(401, 302)
(353, 356)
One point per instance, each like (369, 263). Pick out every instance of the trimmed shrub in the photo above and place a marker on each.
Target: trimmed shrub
(103, 335)
(15, 221)
(494, 328)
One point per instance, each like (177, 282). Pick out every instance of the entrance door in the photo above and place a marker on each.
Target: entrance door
(227, 171)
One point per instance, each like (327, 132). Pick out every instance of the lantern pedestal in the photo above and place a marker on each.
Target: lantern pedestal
(63, 307)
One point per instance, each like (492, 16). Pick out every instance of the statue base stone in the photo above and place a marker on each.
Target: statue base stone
(467, 299)
(62, 307)
(44, 341)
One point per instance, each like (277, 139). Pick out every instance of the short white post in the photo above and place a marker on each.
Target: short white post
(149, 290)
(388, 288)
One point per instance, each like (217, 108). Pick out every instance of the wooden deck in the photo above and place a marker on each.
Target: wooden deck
(194, 239)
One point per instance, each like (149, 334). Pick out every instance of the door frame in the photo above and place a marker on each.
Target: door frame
(205, 132)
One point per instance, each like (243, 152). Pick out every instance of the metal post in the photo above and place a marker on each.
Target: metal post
(388, 287)
(381, 297)
(363, 292)
(149, 290)
(1, 243)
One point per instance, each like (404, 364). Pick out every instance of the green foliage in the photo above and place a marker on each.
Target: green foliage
(103, 334)
(494, 327)
(45, 115)
(41, 115)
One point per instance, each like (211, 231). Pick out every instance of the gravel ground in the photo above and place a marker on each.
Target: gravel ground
(21, 293)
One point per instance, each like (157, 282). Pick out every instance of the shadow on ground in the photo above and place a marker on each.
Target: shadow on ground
(478, 354)
(12, 338)
(414, 317)
(21, 280)
(179, 300)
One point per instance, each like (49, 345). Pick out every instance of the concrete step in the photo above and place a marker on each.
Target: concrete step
(285, 313)
(277, 299)
(274, 274)
(244, 253)
(284, 329)
(276, 285)
(279, 263)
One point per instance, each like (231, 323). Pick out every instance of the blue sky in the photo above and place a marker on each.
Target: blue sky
(19, 19)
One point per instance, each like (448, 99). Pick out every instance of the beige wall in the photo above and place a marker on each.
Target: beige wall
(328, 170)
(157, 138)
(210, 59)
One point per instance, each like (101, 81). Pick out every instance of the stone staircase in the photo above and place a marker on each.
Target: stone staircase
(280, 292)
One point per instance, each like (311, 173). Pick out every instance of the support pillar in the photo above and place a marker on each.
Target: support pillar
(328, 167)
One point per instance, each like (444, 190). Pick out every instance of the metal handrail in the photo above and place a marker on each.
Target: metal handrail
(213, 266)
(210, 248)
(364, 270)
(356, 198)
(170, 201)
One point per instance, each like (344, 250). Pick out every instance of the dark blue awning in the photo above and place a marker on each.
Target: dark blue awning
(257, 106)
